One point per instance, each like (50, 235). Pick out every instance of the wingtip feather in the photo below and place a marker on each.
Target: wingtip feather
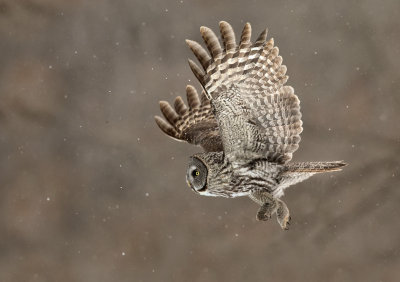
(262, 37)
(211, 41)
(228, 36)
(168, 112)
(201, 54)
(246, 36)
(180, 106)
(198, 73)
(192, 97)
(165, 126)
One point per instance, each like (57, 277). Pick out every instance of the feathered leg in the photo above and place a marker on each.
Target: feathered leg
(267, 203)
(270, 205)
(266, 210)
(283, 215)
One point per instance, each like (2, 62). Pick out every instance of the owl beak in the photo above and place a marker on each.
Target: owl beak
(191, 187)
(188, 184)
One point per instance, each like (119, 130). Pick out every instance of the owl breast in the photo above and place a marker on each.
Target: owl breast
(262, 176)
(224, 181)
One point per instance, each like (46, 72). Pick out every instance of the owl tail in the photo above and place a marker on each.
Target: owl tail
(316, 167)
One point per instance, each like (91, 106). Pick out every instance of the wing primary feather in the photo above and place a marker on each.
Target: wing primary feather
(246, 36)
(168, 112)
(180, 106)
(192, 97)
(228, 36)
(211, 41)
(201, 54)
(261, 38)
(166, 127)
(196, 71)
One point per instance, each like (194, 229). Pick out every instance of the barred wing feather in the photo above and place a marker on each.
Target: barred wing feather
(195, 124)
(246, 85)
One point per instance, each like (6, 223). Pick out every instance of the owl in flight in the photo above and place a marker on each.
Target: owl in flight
(246, 119)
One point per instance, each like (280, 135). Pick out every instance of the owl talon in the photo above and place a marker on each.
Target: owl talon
(263, 216)
(267, 202)
(283, 215)
(285, 223)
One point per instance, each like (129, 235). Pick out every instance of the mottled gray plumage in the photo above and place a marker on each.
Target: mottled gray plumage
(246, 119)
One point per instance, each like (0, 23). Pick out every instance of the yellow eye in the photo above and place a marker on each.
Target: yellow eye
(197, 173)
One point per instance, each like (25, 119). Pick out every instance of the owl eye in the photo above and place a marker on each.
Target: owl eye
(196, 175)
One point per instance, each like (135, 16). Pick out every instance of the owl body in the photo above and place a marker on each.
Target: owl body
(260, 175)
(246, 119)
(225, 181)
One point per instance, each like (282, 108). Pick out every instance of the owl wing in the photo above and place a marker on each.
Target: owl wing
(195, 124)
(258, 116)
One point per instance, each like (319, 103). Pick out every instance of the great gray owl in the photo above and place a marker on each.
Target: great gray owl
(247, 121)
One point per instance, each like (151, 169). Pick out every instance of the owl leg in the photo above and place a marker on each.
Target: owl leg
(282, 214)
(269, 205)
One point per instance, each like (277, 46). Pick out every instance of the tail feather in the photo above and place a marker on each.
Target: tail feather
(316, 167)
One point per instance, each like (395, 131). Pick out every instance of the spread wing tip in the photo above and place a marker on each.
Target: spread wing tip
(194, 123)
(253, 66)
(165, 127)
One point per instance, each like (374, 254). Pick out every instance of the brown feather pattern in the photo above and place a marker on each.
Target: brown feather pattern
(316, 167)
(245, 37)
(195, 124)
(257, 73)
(201, 54)
(228, 36)
(211, 41)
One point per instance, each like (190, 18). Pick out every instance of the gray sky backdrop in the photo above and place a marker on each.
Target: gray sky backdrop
(91, 190)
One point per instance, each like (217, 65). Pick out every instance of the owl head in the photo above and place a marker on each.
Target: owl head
(196, 175)
(204, 174)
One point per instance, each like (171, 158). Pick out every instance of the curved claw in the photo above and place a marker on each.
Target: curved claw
(285, 223)
(262, 216)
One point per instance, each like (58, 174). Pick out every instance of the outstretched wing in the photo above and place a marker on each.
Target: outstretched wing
(195, 125)
(257, 115)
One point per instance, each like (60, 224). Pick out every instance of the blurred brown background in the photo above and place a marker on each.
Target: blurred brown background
(91, 190)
